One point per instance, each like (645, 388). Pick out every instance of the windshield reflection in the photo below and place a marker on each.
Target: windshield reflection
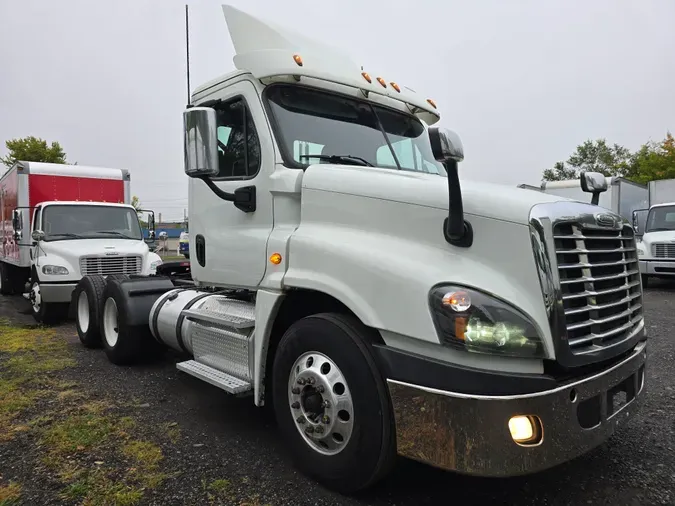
(661, 219)
(87, 222)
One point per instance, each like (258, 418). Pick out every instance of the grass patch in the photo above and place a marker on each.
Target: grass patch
(10, 494)
(172, 431)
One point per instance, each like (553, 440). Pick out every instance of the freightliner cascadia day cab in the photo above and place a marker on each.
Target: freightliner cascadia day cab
(340, 274)
(62, 222)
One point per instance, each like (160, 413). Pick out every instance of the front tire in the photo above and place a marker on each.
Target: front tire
(88, 304)
(6, 285)
(45, 312)
(645, 281)
(332, 404)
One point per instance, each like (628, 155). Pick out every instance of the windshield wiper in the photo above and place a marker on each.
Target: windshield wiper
(346, 159)
(114, 232)
(64, 234)
(661, 230)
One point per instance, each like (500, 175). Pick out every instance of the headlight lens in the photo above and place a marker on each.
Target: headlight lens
(54, 270)
(154, 265)
(474, 321)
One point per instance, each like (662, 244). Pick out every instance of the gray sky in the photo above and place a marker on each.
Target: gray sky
(523, 82)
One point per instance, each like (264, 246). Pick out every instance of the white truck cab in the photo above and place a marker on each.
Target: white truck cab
(74, 239)
(656, 247)
(342, 274)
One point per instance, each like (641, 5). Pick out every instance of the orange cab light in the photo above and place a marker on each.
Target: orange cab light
(432, 103)
(298, 59)
(366, 76)
(275, 258)
(381, 81)
(396, 87)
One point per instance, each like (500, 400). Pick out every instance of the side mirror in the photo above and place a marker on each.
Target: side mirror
(595, 183)
(16, 225)
(38, 235)
(151, 235)
(200, 142)
(446, 145)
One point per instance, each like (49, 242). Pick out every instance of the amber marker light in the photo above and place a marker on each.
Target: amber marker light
(298, 59)
(432, 103)
(381, 81)
(395, 86)
(275, 258)
(366, 76)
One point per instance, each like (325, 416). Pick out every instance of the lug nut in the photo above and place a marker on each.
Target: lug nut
(309, 430)
(295, 405)
(319, 430)
(301, 381)
(320, 389)
(325, 404)
(326, 419)
(300, 420)
(295, 391)
(310, 380)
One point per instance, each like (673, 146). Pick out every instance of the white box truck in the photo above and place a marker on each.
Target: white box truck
(61, 222)
(656, 227)
(342, 275)
(622, 196)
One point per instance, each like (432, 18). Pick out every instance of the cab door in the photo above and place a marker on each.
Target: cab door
(228, 246)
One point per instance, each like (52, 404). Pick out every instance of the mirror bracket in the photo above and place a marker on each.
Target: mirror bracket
(243, 198)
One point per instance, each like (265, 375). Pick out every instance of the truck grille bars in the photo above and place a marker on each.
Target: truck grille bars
(588, 269)
(106, 265)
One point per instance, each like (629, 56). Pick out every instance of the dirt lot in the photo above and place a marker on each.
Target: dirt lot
(75, 429)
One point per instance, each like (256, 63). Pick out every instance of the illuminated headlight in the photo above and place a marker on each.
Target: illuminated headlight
(154, 265)
(54, 270)
(474, 321)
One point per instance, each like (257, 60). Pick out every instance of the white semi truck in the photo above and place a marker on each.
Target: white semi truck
(61, 222)
(340, 274)
(656, 228)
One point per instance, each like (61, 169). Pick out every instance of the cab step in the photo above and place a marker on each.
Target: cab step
(217, 378)
(235, 314)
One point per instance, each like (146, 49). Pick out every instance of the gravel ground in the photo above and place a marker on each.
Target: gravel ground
(225, 438)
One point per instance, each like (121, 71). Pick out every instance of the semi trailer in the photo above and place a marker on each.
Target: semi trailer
(341, 275)
(61, 222)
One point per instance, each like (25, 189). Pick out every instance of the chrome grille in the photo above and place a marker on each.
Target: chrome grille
(600, 284)
(663, 250)
(106, 265)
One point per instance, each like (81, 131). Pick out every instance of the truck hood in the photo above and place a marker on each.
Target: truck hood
(661, 236)
(496, 201)
(95, 247)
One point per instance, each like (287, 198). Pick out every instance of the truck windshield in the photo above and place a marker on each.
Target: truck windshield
(88, 222)
(660, 219)
(314, 126)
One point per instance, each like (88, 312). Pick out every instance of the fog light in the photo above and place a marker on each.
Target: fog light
(525, 430)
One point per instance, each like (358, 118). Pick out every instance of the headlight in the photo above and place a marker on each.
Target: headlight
(54, 270)
(474, 321)
(154, 265)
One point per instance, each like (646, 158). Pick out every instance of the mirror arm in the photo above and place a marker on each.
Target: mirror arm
(214, 188)
(456, 231)
(595, 199)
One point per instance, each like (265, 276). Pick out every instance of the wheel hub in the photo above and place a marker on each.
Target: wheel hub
(35, 298)
(321, 403)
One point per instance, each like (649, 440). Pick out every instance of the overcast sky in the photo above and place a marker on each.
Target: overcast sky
(523, 82)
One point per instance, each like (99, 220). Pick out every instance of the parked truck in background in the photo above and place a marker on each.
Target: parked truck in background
(342, 275)
(622, 196)
(655, 226)
(62, 222)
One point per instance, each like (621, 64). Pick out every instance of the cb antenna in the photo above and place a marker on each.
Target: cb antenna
(187, 53)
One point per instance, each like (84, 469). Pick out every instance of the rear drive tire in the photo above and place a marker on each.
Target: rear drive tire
(349, 443)
(88, 304)
(123, 343)
(645, 281)
(6, 285)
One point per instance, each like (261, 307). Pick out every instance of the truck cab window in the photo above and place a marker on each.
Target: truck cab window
(309, 122)
(238, 144)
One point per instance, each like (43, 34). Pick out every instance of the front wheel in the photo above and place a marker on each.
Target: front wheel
(331, 402)
(6, 287)
(645, 281)
(44, 312)
(88, 295)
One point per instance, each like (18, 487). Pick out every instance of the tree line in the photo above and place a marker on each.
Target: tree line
(654, 160)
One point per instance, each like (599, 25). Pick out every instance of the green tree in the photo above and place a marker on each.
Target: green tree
(33, 149)
(655, 160)
(595, 156)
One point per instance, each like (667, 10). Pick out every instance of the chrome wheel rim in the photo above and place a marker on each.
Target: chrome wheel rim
(110, 328)
(321, 403)
(83, 311)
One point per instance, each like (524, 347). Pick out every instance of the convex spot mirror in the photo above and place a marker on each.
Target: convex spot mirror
(445, 145)
(593, 182)
(200, 142)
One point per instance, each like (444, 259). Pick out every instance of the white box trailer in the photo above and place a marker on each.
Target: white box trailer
(622, 196)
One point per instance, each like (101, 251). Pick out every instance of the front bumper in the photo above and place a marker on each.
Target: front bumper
(57, 292)
(469, 433)
(660, 267)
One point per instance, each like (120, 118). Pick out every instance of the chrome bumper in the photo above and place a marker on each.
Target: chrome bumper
(469, 434)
